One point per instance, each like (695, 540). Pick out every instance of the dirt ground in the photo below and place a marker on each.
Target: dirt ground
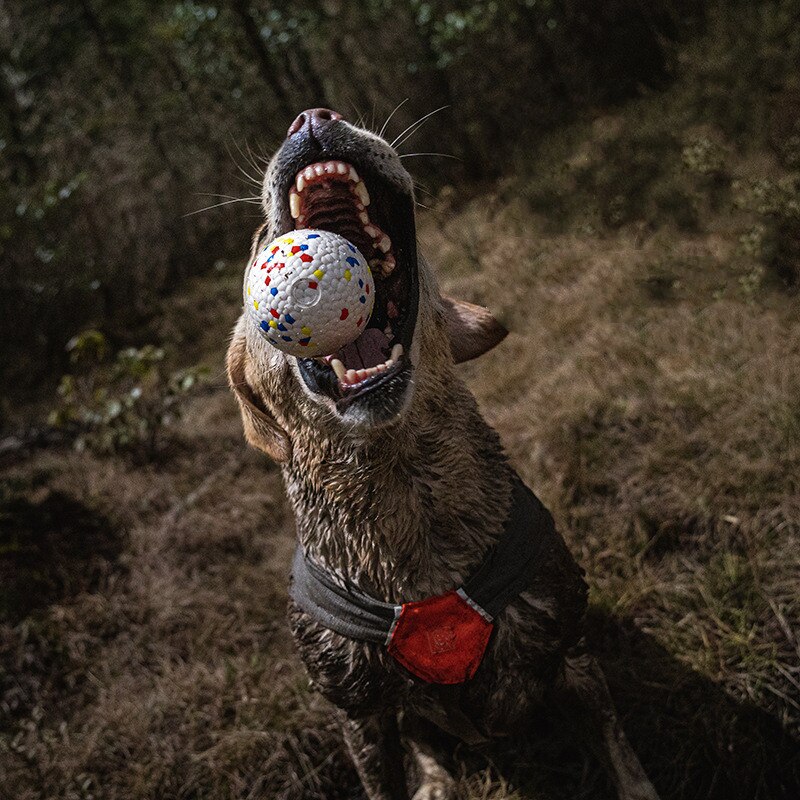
(648, 392)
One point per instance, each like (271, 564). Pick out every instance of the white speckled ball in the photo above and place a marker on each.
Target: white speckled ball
(310, 292)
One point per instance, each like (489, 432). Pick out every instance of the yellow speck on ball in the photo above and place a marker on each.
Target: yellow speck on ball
(249, 291)
(347, 274)
(305, 330)
(273, 324)
(319, 273)
(255, 304)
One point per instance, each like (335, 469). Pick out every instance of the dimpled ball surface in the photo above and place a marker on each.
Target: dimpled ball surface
(310, 292)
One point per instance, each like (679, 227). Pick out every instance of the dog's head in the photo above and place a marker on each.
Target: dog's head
(331, 175)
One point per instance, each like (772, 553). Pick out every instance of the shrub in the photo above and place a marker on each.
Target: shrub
(120, 404)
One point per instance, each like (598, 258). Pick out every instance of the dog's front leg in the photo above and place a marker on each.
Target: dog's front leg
(374, 746)
(585, 698)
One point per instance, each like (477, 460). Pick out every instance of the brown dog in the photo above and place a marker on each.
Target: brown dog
(401, 490)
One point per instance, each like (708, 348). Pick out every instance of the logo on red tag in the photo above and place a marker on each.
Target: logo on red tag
(441, 639)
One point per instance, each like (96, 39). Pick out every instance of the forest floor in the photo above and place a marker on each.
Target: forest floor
(648, 393)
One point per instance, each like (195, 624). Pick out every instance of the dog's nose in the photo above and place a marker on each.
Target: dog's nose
(315, 119)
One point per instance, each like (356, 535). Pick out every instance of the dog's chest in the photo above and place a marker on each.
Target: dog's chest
(522, 660)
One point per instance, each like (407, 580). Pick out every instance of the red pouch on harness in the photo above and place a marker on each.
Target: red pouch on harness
(441, 639)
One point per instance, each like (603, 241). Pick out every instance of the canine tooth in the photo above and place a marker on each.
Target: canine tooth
(361, 190)
(385, 244)
(309, 173)
(397, 351)
(301, 182)
(341, 168)
(354, 175)
(294, 204)
(338, 367)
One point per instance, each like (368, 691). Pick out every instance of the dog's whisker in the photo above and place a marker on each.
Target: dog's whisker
(224, 203)
(414, 127)
(422, 188)
(388, 119)
(228, 196)
(255, 182)
(248, 157)
(441, 155)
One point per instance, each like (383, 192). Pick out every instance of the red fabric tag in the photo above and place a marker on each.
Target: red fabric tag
(441, 639)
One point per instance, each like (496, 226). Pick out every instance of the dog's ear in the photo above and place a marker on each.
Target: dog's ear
(472, 329)
(260, 428)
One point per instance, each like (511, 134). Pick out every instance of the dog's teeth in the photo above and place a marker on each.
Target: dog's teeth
(338, 367)
(389, 264)
(351, 376)
(387, 331)
(329, 168)
(354, 175)
(385, 244)
(308, 172)
(364, 217)
(294, 204)
(371, 230)
(341, 168)
(361, 191)
(397, 352)
(388, 363)
(301, 182)
(318, 169)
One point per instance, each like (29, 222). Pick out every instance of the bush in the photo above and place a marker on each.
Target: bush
(120, 404)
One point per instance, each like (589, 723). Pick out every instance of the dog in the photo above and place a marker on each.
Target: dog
(402, 492)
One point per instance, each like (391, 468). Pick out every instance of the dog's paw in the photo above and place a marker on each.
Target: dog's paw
(436, 790)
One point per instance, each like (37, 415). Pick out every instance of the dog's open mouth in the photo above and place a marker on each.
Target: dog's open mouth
(331, 195)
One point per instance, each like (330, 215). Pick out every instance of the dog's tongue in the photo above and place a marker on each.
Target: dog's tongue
(369, 350)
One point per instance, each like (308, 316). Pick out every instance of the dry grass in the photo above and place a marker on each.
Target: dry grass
(649, 393)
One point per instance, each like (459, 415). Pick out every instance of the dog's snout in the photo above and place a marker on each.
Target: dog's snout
(315, 120)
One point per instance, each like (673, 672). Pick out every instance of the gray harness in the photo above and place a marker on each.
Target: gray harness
(506, 571)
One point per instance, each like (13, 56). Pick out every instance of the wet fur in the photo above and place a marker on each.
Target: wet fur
(408, 509)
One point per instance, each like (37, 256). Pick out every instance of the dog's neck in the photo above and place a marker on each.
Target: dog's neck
(411, 511)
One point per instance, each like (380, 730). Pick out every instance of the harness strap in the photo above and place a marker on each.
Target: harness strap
(340, 605)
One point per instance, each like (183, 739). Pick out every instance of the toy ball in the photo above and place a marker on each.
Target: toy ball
(310, 292)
